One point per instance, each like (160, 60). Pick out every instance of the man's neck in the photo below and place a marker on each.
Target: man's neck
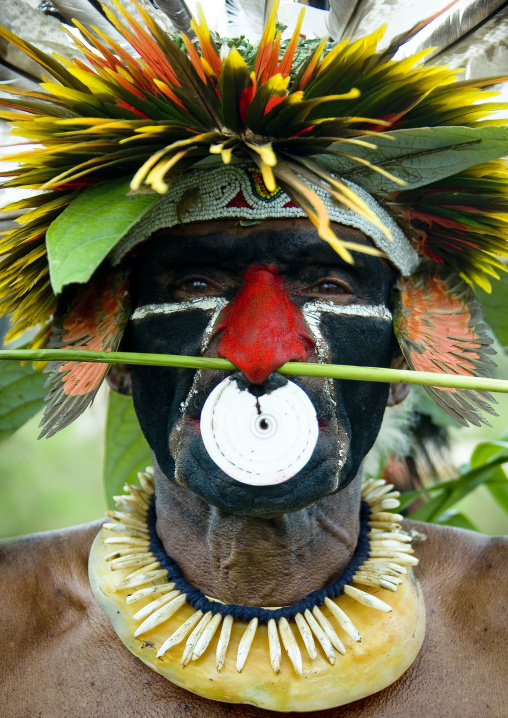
(254, 561)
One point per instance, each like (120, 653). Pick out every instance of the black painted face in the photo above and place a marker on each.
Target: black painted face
(183, 283)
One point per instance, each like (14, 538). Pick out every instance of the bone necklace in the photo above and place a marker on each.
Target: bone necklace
(280, 659)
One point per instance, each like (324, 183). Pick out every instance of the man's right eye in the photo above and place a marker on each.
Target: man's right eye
(197, 286)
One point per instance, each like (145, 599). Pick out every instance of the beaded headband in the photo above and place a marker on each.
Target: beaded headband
(236, 191)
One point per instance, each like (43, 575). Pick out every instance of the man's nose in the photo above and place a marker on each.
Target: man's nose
(262, 328)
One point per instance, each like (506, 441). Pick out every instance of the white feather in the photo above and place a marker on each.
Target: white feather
(247, 17)
(29, 24)
(214, 12)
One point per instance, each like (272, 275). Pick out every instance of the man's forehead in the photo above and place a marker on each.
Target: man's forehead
(281, 242)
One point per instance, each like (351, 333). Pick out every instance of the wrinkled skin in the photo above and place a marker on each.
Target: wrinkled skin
(204, 261)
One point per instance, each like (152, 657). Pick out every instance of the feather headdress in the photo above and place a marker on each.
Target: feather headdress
(134, 101)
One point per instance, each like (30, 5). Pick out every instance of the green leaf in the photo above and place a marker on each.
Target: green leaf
(126, 451)
(458, 520)
(488, 451)
(83, 234)
(485, 464)
(430, 511)
(497, 484)
(21, 395)
(494, 308)
(498, 487)
(420, 156)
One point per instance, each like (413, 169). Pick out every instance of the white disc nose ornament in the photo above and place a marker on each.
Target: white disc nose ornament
(263, 440)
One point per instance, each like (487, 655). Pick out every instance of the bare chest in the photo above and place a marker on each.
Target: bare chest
(84, 670)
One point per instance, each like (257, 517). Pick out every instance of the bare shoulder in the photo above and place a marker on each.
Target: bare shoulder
(450, 557)
(39, 572)
(463, 577)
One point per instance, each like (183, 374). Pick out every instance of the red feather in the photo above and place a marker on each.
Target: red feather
(438, 323)
(94, 319)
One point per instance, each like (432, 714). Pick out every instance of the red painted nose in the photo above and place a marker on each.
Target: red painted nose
(262, 328)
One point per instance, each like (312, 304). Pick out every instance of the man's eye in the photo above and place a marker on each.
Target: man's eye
(329, 287)
(196, 285)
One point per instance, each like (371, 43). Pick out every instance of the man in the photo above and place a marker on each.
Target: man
(229, 582)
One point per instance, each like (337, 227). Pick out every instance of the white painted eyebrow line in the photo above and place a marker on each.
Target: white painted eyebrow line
(377, 311)
(150, 310)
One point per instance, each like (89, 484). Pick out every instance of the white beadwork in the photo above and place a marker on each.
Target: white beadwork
(211, 191)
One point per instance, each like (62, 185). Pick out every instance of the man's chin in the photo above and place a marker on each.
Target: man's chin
(196, 471)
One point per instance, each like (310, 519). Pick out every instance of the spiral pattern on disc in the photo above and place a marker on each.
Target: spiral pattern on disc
(259, 440)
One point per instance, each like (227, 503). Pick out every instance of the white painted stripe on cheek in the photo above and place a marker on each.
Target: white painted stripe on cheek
(206, 303)
(313, 310)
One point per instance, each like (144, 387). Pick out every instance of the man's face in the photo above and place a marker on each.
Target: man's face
(259, 296)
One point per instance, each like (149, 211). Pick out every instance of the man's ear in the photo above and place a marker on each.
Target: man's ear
(398, 392)
(119, 379)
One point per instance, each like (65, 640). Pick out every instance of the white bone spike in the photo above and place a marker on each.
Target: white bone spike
(138, 494)
(206, 637)
(130, 531)
(151, 590)
(378, 572)
(397, 568)
(127, 520)
(385, 526)
(328, 629)
(386, 516)
(245, 644)
(389, 503)
(384, 583)
(393, 555)
(134, 581)
(306, 635)
(405, 559)
(128, 541)
(154, 605)
(125, 552)
(180, 633)
(129, 556)
(385, 545)
(321, 636)
(146, 482)
(343, 620)
(274, 645)
(161, 615)
(142, 560)
(291, 645)
(148, 567)
(380, 491)
(223, 643)
(390, 536)
(370, 485)
(194, 637)
(129, 498)
(366, 599)
(130, 506)
(375, 582)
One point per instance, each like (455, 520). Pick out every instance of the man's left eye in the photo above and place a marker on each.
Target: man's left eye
(329, 287)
